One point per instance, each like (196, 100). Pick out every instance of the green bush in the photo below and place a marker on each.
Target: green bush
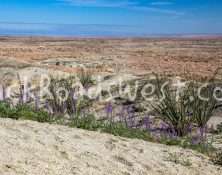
(23, 112)
(85, 78)
(87, 123)
(27, 113)
(56, 104)
(7, 112)
(189, 108)
(72, 105)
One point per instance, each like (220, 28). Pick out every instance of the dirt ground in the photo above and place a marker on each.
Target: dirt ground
(199, 56)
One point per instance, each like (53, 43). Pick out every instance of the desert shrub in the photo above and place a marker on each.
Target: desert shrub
(188, 108)
(27, 113)
(85, 78)
(201, 109)
(87, 122)
(6, 111)
(118, 129)
(71, 105)
(23, 112)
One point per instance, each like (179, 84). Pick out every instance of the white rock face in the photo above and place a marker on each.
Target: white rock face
(42, 149)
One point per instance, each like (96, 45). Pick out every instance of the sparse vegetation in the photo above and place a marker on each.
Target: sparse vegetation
(179, 123)
(85, 78)
(185, 108)
(174, 158)
(217, 157)
(125, 127)
(24, 112)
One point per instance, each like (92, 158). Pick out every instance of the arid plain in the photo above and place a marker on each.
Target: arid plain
(198, 55)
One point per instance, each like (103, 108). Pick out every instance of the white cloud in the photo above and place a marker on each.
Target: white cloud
(161, 3)
(150, 9)
(100, 3)
(129, 4)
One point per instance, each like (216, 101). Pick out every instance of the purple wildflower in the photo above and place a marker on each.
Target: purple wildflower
(140, 125)
(29, 85)
(1, 95)
(129, 109)
(206, 129)
(21, 96)
(186, 130)
(86, 88)
(109, 110)
(190, 128)
(3, 92)
(202, 133)
(48, 106)
(74, 94)
(121, 115)
(148, 122)
(64, 107)
(164, 125)
(194, 140)
(132, 121)
(28, 90)
(173, 130)
(170, 135)
(21, 99)
(154, 132)
(74, 98)
(55, 111)
(109, 113)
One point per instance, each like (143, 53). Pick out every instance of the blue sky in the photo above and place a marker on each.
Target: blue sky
(170, 16)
